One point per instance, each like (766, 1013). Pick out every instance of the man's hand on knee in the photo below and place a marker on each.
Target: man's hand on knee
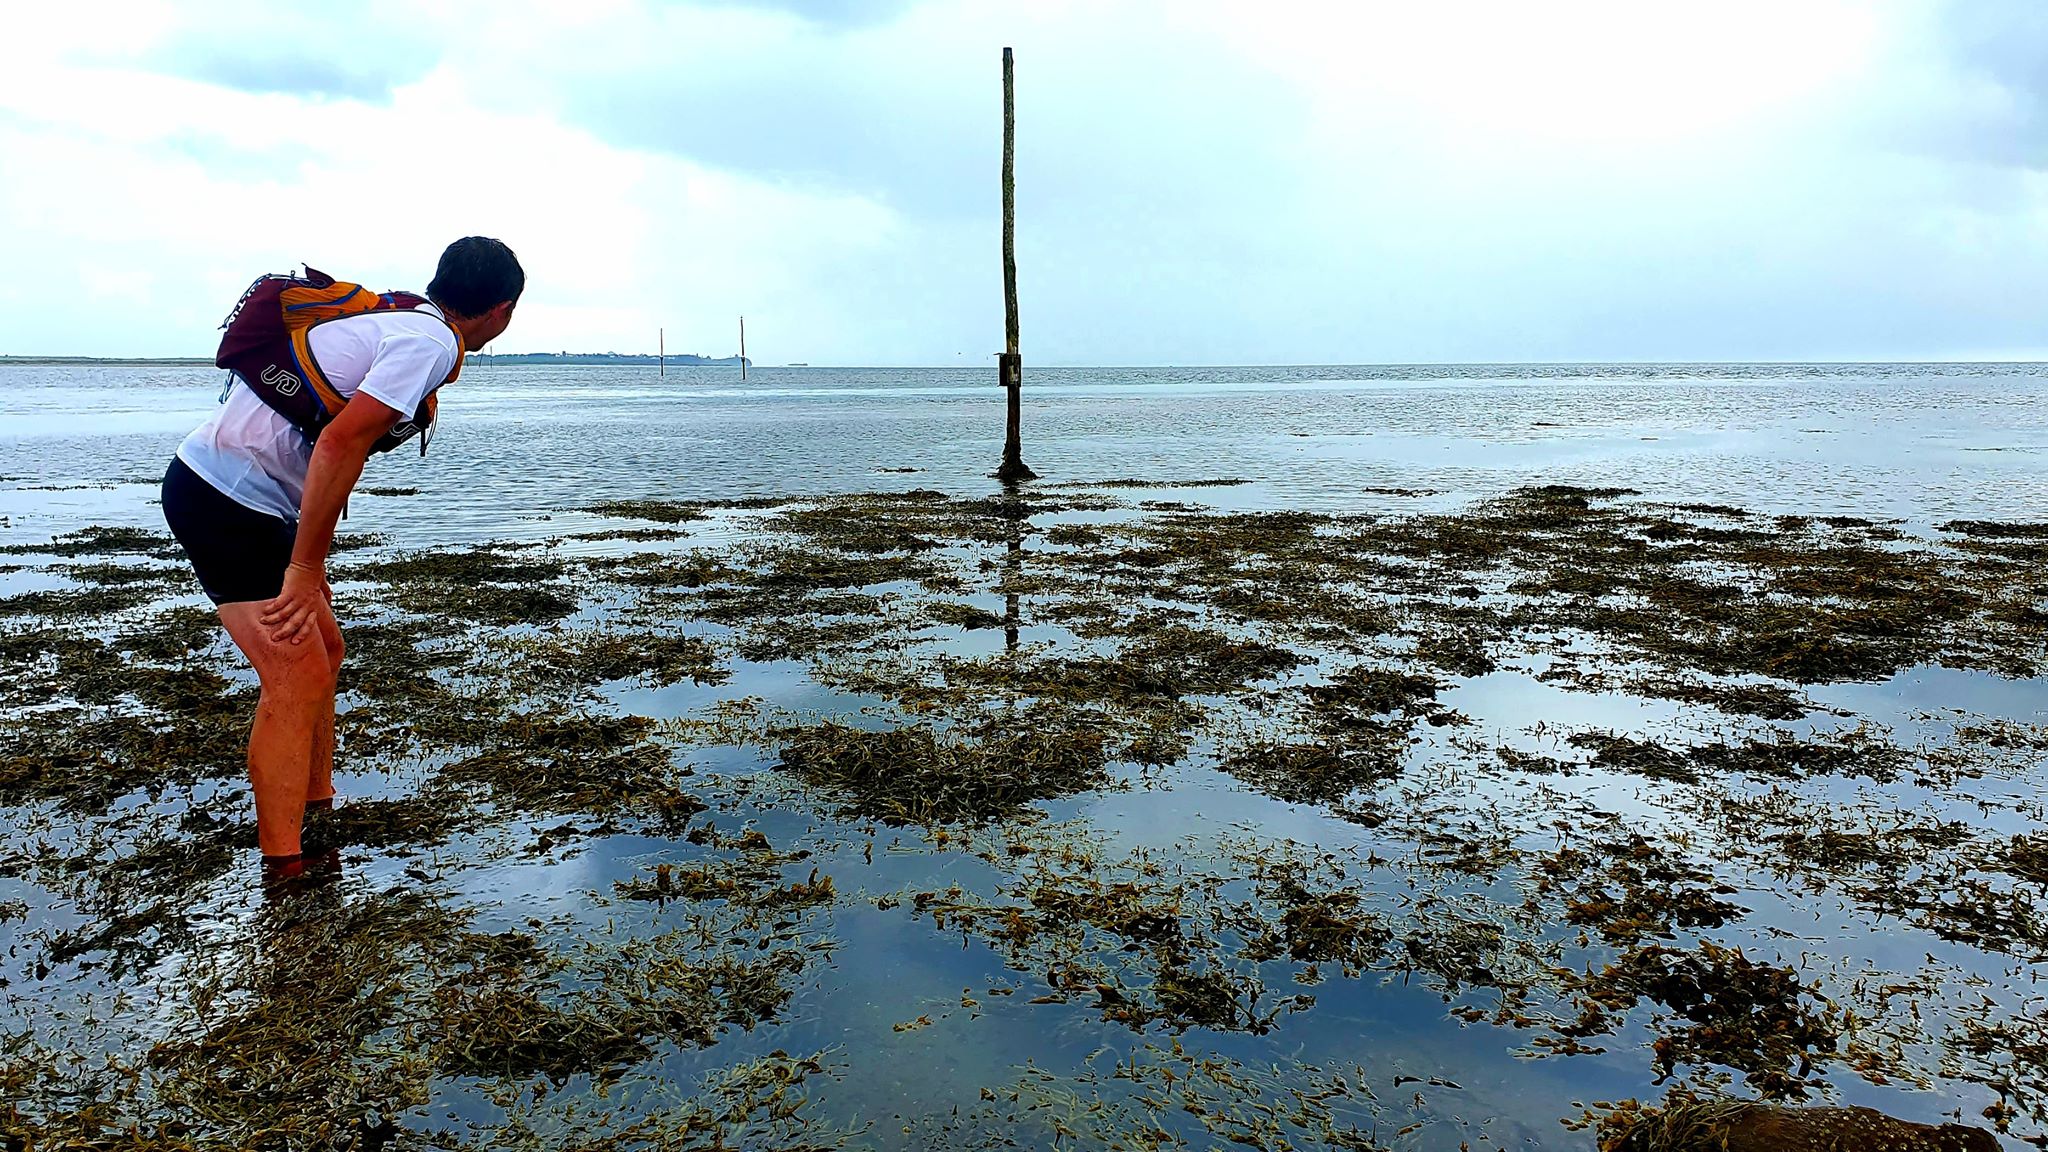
(295, 614)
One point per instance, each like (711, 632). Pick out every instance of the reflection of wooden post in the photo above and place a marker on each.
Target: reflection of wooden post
(1010, 366)
(1014, 513)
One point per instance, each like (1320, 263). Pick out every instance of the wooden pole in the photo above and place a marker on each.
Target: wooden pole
(743, 348)
(1010, 338)
(661, 351)
(1010, 365)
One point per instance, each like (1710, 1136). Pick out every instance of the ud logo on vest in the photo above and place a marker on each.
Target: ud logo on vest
(272, 326)
(285, 383)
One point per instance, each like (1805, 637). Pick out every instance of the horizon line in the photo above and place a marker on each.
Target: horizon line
(2040, 359)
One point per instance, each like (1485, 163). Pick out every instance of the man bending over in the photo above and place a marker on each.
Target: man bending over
(254, 493)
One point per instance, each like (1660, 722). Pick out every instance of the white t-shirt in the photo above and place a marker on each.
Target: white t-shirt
(259, 460)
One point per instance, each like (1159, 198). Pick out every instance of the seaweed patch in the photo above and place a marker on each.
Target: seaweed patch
(999, 691)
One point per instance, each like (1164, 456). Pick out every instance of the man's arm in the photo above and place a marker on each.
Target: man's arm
(331, 475)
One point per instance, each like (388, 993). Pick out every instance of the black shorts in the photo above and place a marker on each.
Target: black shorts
(239, 553)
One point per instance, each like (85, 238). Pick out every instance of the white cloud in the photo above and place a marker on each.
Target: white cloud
(139, 204)
(1199, 180)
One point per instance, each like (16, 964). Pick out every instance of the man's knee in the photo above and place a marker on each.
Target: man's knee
(284, 667)
(302, 668)
(330, 635)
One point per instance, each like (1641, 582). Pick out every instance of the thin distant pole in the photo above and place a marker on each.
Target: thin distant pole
(743, 348)
(661, 351)
(1010, 366)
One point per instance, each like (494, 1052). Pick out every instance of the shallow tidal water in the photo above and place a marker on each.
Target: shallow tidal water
(518, 443)
(933, 1028)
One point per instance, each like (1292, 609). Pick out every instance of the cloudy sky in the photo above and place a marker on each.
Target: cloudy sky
(1199, 182)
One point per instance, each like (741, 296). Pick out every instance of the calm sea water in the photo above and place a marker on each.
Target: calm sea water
(522, 448)
(518, 443)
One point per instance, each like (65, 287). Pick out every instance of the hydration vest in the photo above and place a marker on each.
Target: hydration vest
(268, 348)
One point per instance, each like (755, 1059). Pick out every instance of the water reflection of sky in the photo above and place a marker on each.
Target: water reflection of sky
(523, 448)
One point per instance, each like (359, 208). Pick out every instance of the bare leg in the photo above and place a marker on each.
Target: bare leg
(298, 687)
(320, 778)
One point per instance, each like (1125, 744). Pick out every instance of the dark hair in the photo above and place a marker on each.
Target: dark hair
(476, 275)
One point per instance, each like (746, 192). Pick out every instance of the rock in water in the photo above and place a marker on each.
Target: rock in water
(1729, 1126)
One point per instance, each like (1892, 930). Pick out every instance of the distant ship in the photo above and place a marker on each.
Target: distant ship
(796, 364)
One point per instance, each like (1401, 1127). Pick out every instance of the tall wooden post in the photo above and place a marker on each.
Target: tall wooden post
(743, 348)
(1010, 365)
(661, 351)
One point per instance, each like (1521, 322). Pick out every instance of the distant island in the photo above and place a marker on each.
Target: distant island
(683, 358)
(116, 361)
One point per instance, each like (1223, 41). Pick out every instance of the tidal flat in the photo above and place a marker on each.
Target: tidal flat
(1077, 816)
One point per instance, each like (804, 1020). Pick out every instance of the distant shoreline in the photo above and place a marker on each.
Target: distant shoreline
(649, 359)
(167, 361)
(692, 361)
(686, 360)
